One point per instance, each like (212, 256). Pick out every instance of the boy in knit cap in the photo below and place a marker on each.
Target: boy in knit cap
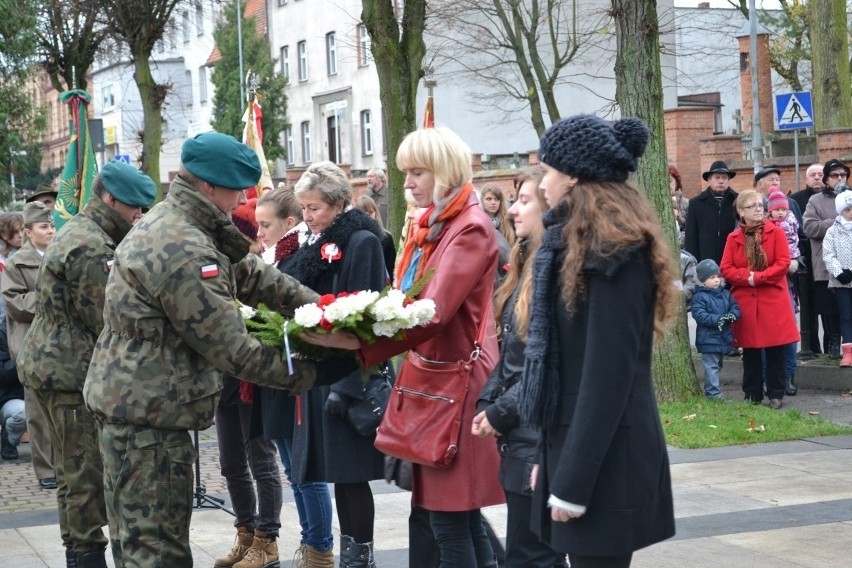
(714, 310)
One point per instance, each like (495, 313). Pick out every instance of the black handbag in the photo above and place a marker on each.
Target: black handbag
(366, 414)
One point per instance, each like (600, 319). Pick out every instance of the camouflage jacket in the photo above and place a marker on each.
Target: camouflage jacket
(171, 326)
(70, 300)
(19, 291)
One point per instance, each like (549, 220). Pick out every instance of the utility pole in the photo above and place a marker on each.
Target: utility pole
(756, 137)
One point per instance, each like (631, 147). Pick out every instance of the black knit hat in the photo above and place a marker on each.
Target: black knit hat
(590, 148)
(833, 164)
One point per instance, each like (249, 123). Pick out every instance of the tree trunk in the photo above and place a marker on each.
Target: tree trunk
(639, 92)
(829, 46)
(398, 56)
(152, 96)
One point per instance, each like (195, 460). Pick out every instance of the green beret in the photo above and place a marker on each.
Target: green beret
(221, 160)
(37, 212)
(42, 189)
(127, 184)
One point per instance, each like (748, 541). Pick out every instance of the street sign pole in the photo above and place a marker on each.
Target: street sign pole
(796, 154)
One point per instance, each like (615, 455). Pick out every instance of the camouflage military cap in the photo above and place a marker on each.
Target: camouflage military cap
(127, 184)
(37, 212)
(221, 160)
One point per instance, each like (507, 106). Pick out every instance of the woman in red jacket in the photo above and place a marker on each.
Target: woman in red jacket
(755, 264)
(455, 238)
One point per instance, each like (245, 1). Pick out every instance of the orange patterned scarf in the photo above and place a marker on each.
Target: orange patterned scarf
(429, 228)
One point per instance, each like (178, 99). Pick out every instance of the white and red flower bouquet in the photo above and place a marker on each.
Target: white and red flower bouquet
(366, 314)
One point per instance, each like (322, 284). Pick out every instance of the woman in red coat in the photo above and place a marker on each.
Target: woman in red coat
(755, 264)
(455, 237)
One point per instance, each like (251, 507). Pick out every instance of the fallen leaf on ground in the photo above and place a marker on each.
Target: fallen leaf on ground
(760, 428)
(712, 426)
(813, 412)
(689, 417)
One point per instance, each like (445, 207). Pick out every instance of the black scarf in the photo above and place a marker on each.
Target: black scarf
(540, 387)
(310, 268)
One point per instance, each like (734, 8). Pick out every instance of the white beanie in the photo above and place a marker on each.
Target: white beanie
(842, 201)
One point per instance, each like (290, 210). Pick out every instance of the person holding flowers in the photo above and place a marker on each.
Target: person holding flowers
(343, 253)
(454, 241)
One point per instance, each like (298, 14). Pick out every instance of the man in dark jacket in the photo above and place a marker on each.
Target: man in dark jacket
(813, 185)
(710, 217)
(13, 419)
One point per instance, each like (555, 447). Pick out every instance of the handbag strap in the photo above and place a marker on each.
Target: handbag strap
(480, 335)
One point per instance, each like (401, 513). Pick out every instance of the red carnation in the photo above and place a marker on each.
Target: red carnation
(325, 300)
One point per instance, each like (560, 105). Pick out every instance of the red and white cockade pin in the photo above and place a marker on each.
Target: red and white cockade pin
(330, 252)
(110, 262)
(210, 271)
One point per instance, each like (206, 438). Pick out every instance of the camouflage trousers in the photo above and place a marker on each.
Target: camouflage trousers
(79, 470)
(148, 488)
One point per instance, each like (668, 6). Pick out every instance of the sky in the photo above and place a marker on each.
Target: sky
(760, 4)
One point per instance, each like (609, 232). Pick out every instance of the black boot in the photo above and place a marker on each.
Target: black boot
(347, 546)
(791, 389)
(834, 346)
(94, 559)
(361, 555)
(70, 558)
(7, 450)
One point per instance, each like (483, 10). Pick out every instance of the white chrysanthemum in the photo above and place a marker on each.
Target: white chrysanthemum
(422, 311)
(389, 307)
(385, 328)
(308, 316)
(247, 311)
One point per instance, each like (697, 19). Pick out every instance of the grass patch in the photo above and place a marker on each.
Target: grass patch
(703, 423)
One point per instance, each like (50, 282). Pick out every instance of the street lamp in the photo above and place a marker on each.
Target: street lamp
(14, 153)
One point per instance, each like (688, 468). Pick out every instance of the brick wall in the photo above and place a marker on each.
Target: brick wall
(684, 129)
(764, 84)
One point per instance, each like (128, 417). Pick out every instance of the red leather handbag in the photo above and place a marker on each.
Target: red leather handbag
(423, 419)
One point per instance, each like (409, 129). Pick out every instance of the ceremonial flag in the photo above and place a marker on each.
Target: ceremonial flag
(253, 138)
(80, 166)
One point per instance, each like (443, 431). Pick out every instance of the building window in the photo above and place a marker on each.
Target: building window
(186, 31)
(366, 133)
(306, 142)
(285, 62)
(303, 60)
(188, 76)
(199, 18)
(363, 46)
(202, 84)
(282, 2)
(108, 98)
(331, 53)
(291, 146)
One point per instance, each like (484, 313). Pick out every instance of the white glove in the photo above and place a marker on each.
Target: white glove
(794, 266)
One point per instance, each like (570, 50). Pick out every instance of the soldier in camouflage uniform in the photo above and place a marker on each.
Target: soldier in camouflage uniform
(171, 327)
(55, 355)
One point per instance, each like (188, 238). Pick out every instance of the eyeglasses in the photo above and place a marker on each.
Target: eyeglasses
(754, 206)
(838, 176)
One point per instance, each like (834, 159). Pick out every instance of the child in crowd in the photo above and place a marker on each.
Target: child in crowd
(714, 310)
(837, 254)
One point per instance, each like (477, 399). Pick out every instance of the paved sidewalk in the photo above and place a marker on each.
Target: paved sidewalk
(778, 505)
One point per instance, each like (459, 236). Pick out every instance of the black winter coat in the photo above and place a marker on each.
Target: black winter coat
(10, 385)
(607, 450)
(499, 399)
(326, 447)
(708, 224)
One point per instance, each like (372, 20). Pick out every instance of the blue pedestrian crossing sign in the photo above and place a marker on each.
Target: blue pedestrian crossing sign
(122, 158)
(794, 111)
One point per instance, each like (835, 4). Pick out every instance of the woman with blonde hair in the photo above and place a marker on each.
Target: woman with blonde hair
(498, 403)
(602, 289)
(455, 242)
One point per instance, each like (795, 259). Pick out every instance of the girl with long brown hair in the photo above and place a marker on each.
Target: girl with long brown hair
(602, 287)
(494, 204)
(498, 401)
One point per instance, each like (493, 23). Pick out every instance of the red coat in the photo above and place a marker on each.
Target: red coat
(465, 263)
(767, 318)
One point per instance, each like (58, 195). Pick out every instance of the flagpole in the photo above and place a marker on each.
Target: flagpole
(240, 51)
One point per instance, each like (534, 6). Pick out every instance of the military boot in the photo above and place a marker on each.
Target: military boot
(263, 553)
(70, 558)
(93, 559)
(241, 546)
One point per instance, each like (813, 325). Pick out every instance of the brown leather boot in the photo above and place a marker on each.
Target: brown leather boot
(244, 540)
(263, 551)
(308, 557)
